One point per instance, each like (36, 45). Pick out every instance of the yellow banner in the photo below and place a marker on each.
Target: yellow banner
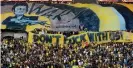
(46, 38)
(96, 37)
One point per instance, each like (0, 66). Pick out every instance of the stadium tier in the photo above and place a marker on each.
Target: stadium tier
(64, 20)
(39, 34)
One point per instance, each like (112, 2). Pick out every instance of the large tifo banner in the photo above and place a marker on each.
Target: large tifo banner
(61, 17)
(97, 37)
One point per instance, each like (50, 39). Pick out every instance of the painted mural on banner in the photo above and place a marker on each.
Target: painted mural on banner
(93, 18)
(59, 17)
(19, 20)
(66, 17)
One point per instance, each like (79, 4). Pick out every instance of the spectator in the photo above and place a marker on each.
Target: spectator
(16, 54)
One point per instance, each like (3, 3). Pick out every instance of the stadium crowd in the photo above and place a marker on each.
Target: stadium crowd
(17, 53)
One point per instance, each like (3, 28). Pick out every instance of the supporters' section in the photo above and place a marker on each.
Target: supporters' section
(42, 35)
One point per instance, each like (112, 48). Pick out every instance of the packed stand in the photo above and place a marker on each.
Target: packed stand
(17, 53)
